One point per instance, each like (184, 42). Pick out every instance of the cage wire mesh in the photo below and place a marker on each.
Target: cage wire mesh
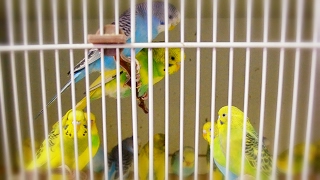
(259, 56)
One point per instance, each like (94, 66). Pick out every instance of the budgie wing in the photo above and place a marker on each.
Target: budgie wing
(109, 76)
(53, 142)
(93, 55)
(251, 153)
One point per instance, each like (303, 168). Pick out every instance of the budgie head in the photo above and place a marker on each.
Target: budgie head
(188, 157)
(236, 117)
(206, 131)
(128, 144)
(174, 59)
(158, 15)
(80, 122)
(159, 141)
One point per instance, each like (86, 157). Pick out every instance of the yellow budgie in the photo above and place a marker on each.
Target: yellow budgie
(298, 156)
(68, 141)
(251, 149)
(158, 159)
(218, 155)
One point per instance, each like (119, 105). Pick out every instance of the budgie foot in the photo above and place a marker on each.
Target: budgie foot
(142, 105)
(82, 175)
(125, 63)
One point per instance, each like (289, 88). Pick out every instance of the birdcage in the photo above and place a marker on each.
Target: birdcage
(259, 56)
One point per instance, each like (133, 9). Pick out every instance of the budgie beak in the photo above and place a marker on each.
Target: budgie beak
(171, 27)
(77, 123)
(204, 132)
(188, 164)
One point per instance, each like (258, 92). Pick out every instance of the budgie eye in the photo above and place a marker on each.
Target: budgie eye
(172, 58)
(170, 17)
(224, 115)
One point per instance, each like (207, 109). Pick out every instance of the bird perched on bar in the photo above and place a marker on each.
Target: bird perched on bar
(218, 155)
(313, 159)
(127, 159)
(142, 58)
(188, 161)
(54, 152)
(235, 144)
(158, 158)
(141, 35)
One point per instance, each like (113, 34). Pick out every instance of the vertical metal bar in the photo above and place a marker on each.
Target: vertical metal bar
(87, 83)
(58, 83)
(118, 94)
(43, 82)
(230, 85)
(133, 91)
(263, 84)
(311, 102)
(10, 30)
(167, 125)
(182, 4)
(246, 88)
(284, 13)
(196, 144)
(150, 87)
(7, 156)
(300, 6)
(213, 83)
(73, 98)
(103, 97)
(26, 57)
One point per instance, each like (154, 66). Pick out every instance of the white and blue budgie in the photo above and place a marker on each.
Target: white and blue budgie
(127, 159)
(187, 163)
(158, 26)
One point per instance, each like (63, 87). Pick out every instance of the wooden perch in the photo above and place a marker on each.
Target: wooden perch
(109, 36)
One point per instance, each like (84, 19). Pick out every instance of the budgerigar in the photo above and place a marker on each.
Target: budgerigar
(216, 173)
(218, 155)
(158, 159)
(188, 161)
(141, 35)
(298, 157)
(251, 149)
(68, 134)
(127, 159)
(142, 58)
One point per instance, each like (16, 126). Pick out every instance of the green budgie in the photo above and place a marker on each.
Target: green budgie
(142, 59)
(251, 149)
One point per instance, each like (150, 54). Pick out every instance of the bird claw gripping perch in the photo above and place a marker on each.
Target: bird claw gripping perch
(126, 65)
(141, 104)
(109, 36)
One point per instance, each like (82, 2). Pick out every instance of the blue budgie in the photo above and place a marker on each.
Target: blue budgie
(188, 161)
(98, 161)
(127, 159)
(158, 26)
